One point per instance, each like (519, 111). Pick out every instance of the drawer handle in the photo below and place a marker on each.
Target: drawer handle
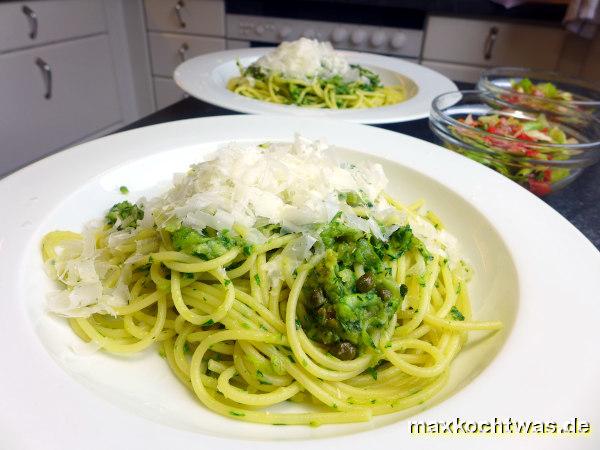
(47, 75)
(182, 50)
(178, 9)
(489, 42)
(33, 21)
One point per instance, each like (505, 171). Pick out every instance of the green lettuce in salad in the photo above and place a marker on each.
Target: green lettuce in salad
(545, 90)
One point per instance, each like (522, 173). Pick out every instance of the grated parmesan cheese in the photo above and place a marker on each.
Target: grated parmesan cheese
(306, 58)
(294, 185)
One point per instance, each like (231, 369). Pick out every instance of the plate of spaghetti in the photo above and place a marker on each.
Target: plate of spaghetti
(268, 281)
(309, 78)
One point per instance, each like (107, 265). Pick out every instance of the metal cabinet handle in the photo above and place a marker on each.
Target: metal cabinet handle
(47, 75)
(489, 42)
(182, 50)
(33, 21)
(178, 9)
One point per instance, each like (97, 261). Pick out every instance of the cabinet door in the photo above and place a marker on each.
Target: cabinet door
(491, 43)
(591, 67)
(456, 72)
(82, 98)
(234, 43)
(25, 24)
(187, 16)
(169, 50)
(167, 92)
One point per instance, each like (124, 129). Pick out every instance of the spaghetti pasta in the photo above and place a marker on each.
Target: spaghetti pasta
(359, 325)
(331, 93)
(311, 74)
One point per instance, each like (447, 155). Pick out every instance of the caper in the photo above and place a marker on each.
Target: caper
(316, 299)
(384, 294)
(325, 315)
(403, 290)
(344, 350)
(331, 313)
(365, 283)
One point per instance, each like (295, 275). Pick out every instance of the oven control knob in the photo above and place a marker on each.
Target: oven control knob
(358, 36)
(339, 34)
(309, 34)
(398, 40)
(378, 38)
(259, 29)
(285, 31)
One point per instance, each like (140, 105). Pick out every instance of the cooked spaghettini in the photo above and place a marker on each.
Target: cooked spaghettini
(273, 273)
(311, 74)
(334, 93)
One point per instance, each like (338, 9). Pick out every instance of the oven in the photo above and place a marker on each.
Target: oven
(365, 28)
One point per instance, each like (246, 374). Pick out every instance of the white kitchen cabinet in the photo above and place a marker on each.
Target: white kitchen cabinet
(26, 24)
(53, 96)
(591, 66)
(170, 50)
(167, 92)
(487, 43)
(234, 43)
(178, 30)
(206, 17)
(456, 72)
(91, 54)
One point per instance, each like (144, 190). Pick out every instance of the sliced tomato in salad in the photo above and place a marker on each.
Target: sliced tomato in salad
(540, 188)
(537, 130)
(535, 139)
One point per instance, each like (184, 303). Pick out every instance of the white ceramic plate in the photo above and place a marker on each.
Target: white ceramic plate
(205, 77)
(533, 270)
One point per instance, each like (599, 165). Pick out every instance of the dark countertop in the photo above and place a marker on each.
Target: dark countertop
(579, 202)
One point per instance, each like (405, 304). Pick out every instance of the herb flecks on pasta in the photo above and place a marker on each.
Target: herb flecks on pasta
(309, 73)
(258, 289)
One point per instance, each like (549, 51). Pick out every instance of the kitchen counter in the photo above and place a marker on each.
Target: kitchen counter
(579, 202)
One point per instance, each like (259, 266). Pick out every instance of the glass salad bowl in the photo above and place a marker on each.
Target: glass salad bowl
(532, 149)
(540, 90)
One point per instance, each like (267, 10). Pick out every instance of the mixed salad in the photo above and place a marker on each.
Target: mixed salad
(520, 157)
(545, 96)
(545, 90)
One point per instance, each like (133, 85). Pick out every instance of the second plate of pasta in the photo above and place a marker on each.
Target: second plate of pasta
(409, 88)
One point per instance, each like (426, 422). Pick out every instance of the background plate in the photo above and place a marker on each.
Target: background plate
(205, 77)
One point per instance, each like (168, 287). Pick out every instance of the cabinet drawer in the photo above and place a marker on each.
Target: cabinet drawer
(50, 21)
(187, 16)
(490, 43)
(234, 43)
(169, 50)
(167, 92)
(83, 98)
